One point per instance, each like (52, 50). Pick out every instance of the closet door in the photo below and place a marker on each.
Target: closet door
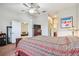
(16, 30)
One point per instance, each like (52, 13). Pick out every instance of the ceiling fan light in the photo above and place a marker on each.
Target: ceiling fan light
(33, 10)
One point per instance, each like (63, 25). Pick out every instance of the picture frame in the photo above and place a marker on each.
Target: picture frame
(67, 22)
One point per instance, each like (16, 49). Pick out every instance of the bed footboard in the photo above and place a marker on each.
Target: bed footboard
(17, 41)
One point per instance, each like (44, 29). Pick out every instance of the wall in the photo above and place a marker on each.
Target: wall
(71, 11)
(42, 20)
(7, 15)
(27, 19)
(5, 18)
(77, 15)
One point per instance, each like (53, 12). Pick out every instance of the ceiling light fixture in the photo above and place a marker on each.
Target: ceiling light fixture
(33, 10)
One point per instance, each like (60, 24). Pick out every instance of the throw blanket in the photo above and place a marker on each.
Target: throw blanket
(48, 46)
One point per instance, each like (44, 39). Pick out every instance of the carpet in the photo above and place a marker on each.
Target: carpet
(7, 50)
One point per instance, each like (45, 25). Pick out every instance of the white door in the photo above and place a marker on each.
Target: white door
(16, 30)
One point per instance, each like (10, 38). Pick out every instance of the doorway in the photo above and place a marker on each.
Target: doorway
(24, 30)
(52, 26)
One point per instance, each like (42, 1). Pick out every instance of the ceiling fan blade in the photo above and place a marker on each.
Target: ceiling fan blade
(34, 5)
(27, 5)
(41, 11)
(44, 11)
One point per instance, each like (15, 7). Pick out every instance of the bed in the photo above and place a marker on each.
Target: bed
(48, 46)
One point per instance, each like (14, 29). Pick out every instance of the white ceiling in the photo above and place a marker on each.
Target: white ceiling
(55, 7)
(51, 8)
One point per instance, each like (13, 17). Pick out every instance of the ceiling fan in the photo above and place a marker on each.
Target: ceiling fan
(33, 8)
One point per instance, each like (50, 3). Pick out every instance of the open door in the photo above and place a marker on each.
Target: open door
(16, 30)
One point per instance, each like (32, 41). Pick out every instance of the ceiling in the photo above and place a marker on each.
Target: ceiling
(51, 8)
(55, 7)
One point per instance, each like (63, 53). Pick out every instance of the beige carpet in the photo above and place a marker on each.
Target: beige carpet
(7, 50)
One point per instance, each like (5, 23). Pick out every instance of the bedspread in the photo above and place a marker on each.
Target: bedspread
(47, 46)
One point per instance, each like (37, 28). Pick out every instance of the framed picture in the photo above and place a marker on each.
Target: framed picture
(67, 22)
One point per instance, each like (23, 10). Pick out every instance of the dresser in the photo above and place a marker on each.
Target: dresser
(2, 39)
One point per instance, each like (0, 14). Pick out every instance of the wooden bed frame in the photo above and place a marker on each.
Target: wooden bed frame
(17, 41)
